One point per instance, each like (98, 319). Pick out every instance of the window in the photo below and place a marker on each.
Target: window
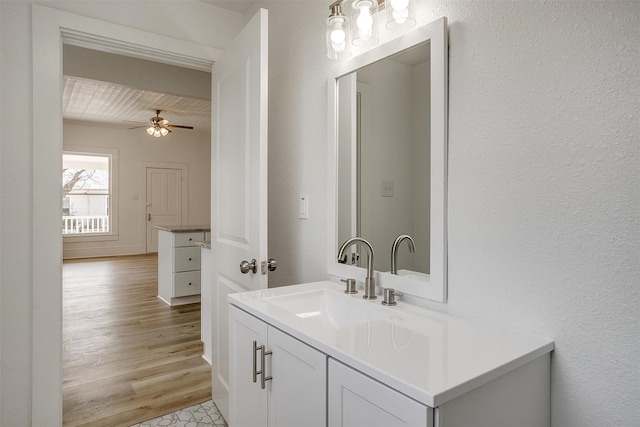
(87, 194)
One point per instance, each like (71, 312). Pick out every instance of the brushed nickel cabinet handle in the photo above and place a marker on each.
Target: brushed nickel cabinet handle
(262, 371)
(264, 378)
(255, 361)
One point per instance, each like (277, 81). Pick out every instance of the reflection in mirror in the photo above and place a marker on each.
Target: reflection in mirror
(384, 158)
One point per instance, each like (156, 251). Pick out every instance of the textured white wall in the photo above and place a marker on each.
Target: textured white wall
(543, 173)
(135, 147)
(298, 73)
(15, 217)
(544, 189)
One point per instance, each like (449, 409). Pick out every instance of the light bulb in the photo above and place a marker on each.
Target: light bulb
(365, 20)
(150, 130)
(338, 37)
(400, 16)
(157, 133)
(399, 4)
(164, 131)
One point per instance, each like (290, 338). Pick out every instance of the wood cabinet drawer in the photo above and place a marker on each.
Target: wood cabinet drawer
(187, 239)
(186, 283)
(186, 259)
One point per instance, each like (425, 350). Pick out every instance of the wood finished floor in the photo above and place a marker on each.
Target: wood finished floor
(127, 357)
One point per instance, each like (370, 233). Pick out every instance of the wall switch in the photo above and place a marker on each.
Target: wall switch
(304, 206)
(387, 189)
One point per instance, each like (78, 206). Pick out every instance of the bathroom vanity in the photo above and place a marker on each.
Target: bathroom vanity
(312, 355)
(179, 263)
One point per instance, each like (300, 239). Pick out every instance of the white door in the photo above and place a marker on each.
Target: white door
(163, 202)
(238, 183)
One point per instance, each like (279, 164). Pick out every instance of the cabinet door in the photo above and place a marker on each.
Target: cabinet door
(356, 400)
(298, 388)
(247, 401)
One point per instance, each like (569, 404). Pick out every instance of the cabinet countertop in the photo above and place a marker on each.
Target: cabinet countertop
(428, 355)
(206, 244)
(183, 228)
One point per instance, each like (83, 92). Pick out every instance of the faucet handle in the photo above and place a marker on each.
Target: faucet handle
(351, 286)
(390, 295)
(355, 257)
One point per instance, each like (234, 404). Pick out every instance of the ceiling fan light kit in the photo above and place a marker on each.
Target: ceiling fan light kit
(159, 127)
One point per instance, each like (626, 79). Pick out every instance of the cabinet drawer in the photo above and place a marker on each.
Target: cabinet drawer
(186, 259)
(186, 283)
(187, 239)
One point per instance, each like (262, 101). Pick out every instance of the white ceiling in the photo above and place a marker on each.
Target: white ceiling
(119, 105)
(102, 102)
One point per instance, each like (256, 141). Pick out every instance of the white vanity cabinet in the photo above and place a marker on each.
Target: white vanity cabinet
(179, 264)
(340, 361)
(294, 376)
(358, 400)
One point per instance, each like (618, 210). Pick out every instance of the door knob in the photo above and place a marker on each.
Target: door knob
(246, 266)
(148, 217)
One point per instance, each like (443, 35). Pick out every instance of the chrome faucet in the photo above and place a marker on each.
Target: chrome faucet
(394, 250)
(369, 281)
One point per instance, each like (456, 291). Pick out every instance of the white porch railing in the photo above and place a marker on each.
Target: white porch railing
(85, 224)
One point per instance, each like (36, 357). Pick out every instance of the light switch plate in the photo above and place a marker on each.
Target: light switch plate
(387, 189)
(303, 203)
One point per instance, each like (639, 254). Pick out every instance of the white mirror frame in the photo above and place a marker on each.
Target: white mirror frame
(436, 288)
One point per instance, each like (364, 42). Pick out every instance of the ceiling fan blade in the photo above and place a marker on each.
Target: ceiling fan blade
(178, 126)
(138, 127)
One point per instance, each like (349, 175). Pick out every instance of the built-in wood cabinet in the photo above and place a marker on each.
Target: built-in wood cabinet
(179, 278)
(275, 379)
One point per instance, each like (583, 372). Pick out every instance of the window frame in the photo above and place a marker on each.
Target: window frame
(113, 195)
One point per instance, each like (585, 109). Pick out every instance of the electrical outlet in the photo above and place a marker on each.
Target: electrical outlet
(387, 189)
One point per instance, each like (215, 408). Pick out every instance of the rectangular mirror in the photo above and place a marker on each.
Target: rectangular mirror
(388, 130)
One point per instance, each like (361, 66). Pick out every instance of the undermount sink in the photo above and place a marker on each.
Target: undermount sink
(331, 308)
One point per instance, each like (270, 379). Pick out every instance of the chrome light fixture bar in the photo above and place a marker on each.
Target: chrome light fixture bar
(400, 16)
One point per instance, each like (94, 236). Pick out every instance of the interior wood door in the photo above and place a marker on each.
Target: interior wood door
(163, 202)
(238, 183)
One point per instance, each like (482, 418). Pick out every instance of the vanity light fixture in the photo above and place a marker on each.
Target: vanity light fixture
(338, 37)
(400, 16)
(365, 30)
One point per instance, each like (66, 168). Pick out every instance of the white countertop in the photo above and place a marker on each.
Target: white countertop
(430, 356)
(183, 228)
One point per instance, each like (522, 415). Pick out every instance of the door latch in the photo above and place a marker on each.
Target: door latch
(266, 266)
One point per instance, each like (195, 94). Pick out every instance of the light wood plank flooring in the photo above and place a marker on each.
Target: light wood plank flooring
(128, 357)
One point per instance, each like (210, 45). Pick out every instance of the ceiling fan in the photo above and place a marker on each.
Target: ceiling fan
(159, 126)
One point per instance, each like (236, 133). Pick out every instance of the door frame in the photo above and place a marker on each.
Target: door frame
(50, 29)
(142, 201)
